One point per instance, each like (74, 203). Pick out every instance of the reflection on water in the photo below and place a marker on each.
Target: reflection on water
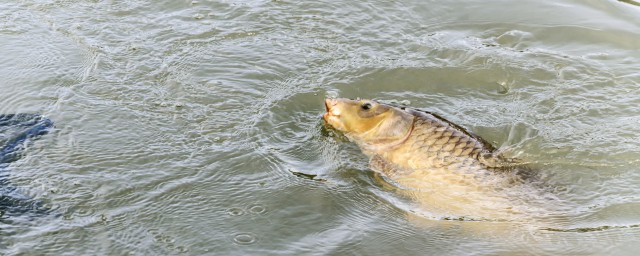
(193, 127)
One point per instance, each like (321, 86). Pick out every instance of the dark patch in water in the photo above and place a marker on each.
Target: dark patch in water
(16, 130)
(630, 2)
(307, 176)
(590, 229)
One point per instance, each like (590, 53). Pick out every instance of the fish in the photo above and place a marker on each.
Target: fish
(450, 172)
(16, 131)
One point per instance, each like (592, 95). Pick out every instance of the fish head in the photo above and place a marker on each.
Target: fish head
(367, 119)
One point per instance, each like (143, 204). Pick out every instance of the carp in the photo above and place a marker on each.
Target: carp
(449, 171)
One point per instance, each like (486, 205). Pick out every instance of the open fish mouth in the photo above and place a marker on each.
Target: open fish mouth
(332, 112)
(333, 115)
(327, 103)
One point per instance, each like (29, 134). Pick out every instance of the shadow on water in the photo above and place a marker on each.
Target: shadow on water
(16, 131)
(632, 2)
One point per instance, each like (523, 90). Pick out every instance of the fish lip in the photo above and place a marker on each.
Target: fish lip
(328, 105)
(326, 117)
(330, 116)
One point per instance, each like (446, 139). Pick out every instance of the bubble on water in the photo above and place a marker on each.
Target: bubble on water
(161, 238)
(405, 102)
(181, 249)
(81, 212)
(103, 218)
(198, 16)
(503, 88)
(244, 238)
(257, 209)
(153, 232)
(235, 211)
(331, 94)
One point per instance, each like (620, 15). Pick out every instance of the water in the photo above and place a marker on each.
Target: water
(193, 127)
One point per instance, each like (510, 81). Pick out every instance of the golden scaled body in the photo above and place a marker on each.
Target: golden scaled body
(448, 171)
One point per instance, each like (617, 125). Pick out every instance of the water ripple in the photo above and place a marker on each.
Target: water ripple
(194, 127)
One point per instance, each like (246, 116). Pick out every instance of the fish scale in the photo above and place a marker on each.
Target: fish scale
(434, 135)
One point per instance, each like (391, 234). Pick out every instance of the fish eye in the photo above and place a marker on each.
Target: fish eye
(366, 106)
